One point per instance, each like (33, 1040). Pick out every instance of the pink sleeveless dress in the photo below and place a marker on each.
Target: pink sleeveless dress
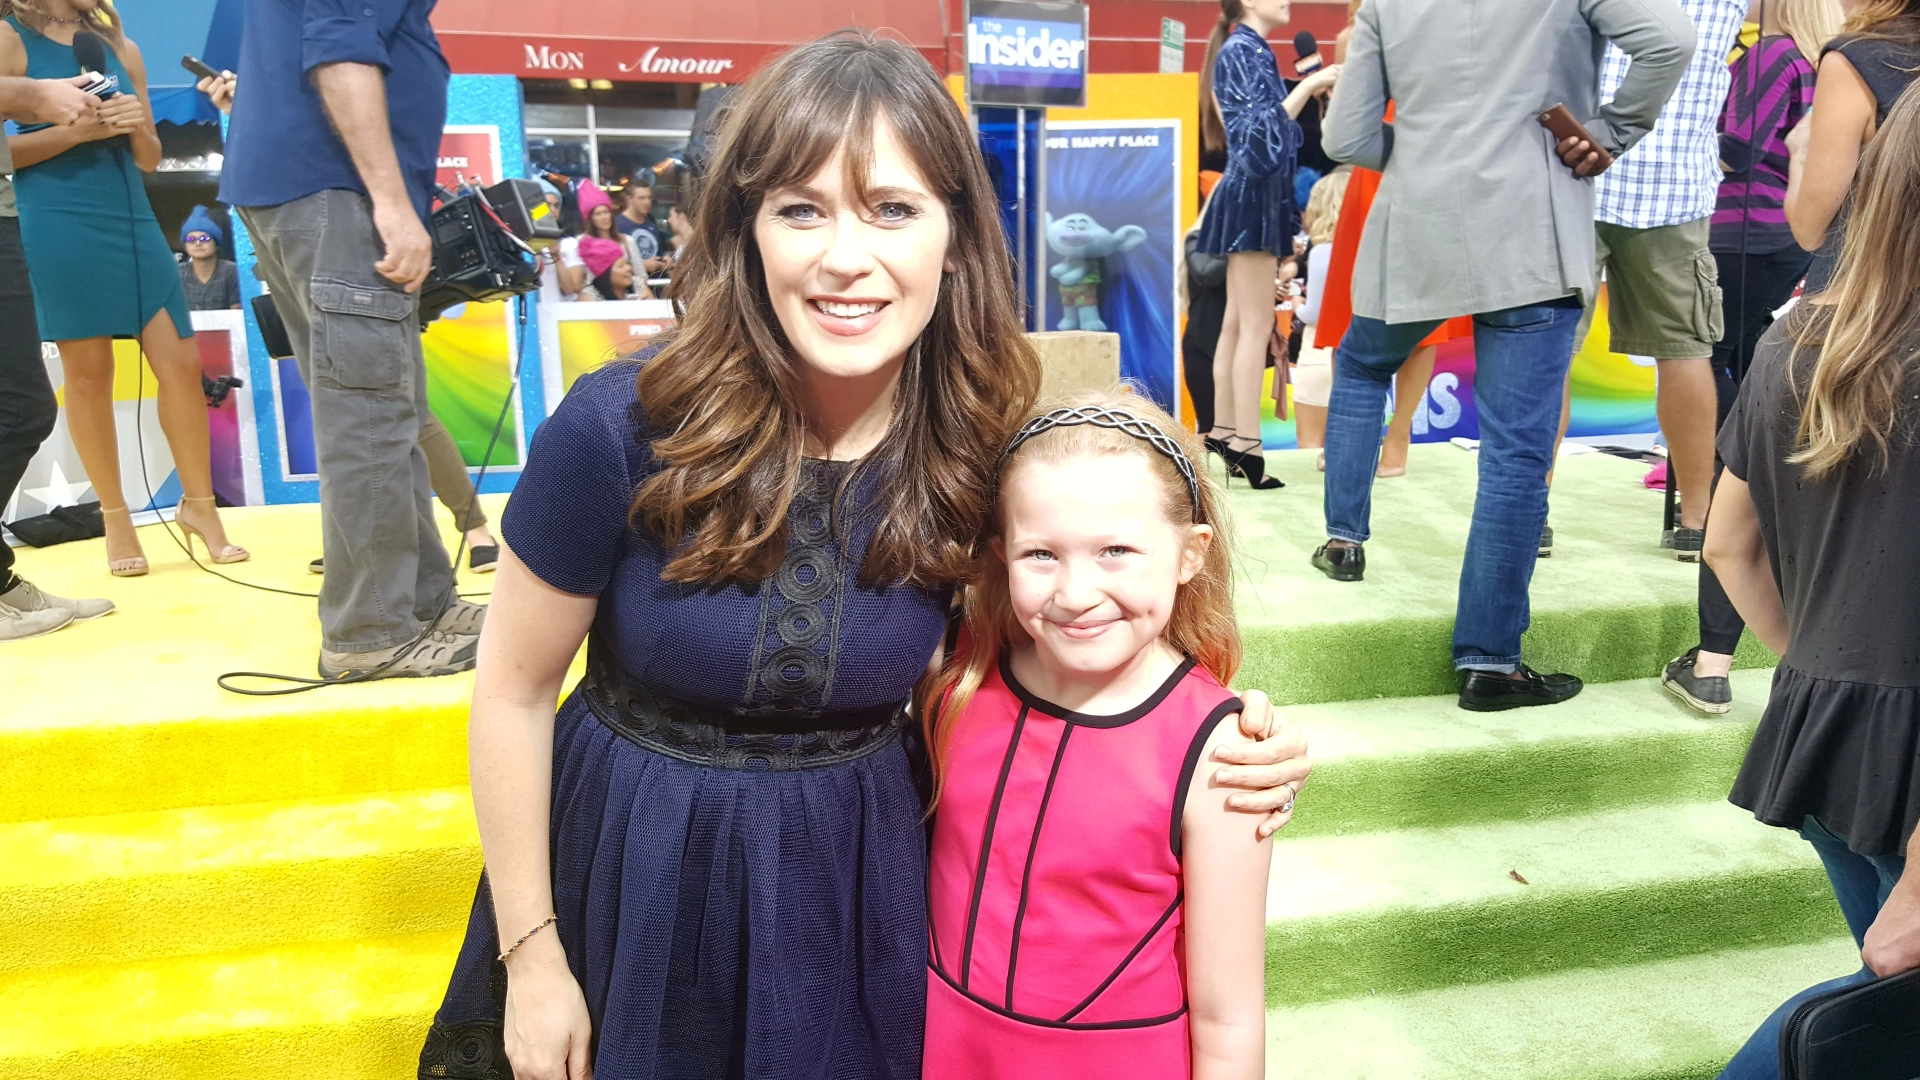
(1054, 896)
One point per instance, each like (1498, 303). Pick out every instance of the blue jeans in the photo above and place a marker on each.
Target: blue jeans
(1521, 357)
(1861, 884)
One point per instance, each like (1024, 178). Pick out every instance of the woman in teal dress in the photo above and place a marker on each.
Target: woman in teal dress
(101, 267)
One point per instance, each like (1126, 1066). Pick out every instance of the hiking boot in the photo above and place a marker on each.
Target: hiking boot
(1710, 694)
(17, 625)
(26, 596)
(436, 653)
(462, 618)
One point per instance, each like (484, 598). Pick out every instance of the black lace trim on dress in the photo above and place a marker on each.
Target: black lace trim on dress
(475, 1050)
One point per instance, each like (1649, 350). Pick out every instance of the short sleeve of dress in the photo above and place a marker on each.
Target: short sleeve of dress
(567, 518)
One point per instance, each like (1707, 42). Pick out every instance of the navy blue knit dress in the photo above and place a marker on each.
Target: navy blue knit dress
(739, 862)
(1251, 208)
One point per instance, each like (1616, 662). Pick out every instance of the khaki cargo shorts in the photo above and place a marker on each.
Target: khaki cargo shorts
(1663, 291)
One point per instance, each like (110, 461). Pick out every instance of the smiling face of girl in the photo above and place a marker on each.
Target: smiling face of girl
(1094, 563)
(854, 280)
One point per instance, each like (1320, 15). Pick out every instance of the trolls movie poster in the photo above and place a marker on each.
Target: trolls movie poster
(1113, 234)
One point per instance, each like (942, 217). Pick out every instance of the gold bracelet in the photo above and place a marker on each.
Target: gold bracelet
(548, 921)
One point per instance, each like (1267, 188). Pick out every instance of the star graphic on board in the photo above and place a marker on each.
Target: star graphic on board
(59, 490)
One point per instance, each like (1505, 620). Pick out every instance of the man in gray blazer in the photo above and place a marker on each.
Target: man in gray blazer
(1480, 213)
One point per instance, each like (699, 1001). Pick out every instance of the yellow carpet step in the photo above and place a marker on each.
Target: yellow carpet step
(128, 887)
(354, 1010)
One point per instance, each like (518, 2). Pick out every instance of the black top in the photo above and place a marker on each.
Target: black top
(1886, 67)
(1840, 739)
(1846, 547)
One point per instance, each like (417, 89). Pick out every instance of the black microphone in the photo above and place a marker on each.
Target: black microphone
(1309, 52)
(91, 52)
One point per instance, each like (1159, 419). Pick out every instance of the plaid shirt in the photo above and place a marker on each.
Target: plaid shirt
(1673, 175)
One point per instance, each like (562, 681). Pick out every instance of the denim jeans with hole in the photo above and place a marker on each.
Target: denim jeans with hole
(1861, 884)
(1521, 356)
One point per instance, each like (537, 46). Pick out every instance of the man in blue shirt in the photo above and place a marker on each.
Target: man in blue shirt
(330, 160)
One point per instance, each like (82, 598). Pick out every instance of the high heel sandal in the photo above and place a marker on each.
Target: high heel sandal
(1253, 467)
(132, 565)
(1219, 447)
(228, 553)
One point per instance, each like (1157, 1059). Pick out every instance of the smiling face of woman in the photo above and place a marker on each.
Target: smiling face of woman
(621, 274)
(602, 219)
(853, 279)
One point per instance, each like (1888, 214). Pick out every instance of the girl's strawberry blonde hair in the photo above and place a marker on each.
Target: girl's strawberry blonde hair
(1202, 624)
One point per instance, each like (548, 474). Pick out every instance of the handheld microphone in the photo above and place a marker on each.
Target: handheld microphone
(1308, 50)
(91, 52)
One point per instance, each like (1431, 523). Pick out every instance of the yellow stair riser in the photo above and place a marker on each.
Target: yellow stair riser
(121, 920)
(376, 1048)
(357, 1009)
(98, 769)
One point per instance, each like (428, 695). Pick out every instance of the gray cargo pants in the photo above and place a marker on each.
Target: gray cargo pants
(356, 337)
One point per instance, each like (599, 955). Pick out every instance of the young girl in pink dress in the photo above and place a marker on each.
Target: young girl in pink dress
(1094, 908)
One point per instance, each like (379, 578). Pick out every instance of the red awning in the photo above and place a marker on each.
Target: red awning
(672, 41)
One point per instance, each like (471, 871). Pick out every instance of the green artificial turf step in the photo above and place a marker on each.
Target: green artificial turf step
(126, 887)
(1610, 604)
(1671, 1020)
(1411, 910)
(1427, 763)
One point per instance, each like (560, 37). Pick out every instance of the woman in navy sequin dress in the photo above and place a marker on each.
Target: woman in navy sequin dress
(1251, 218)
(710, 863)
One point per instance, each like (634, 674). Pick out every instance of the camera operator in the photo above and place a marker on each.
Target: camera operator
(27, 407)
(330, 162)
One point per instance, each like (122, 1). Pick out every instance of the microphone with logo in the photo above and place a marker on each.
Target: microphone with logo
(1308, 51)
(91, 53)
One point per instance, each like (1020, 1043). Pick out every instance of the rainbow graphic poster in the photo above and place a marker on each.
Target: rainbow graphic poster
(469, 353)
(1612, 394)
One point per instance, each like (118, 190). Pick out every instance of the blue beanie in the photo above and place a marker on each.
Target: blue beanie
(201, 221)
(1303, 180)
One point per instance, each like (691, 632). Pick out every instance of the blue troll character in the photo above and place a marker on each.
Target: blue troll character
(1082, 242)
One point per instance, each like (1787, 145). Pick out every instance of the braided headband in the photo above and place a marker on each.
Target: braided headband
(1119, 420)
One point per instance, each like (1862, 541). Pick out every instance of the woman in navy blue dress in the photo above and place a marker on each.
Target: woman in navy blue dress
(1248, 111)
(710, 863)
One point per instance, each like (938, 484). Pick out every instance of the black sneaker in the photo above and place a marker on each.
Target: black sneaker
(1710, 694)
(1687, 544)
(317, 566)
(1546, 541)
(1490, 691)
(483, 559)
(1347, 563)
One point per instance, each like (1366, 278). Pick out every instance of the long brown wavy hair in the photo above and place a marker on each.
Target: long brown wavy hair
(1213, 130)
(1854, 400)
(721, 397)
(1202, 624)
(103, 20)
(1889, 20)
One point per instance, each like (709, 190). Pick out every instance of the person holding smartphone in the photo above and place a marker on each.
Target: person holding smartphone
(1484, 222)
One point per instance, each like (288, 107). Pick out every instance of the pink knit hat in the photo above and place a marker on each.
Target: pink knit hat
(600, 254)
(591, 198)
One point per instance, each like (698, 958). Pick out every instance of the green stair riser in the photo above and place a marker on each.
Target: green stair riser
(1413, 656)
(1520, 781)
(238, 908)
(1404, 950)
